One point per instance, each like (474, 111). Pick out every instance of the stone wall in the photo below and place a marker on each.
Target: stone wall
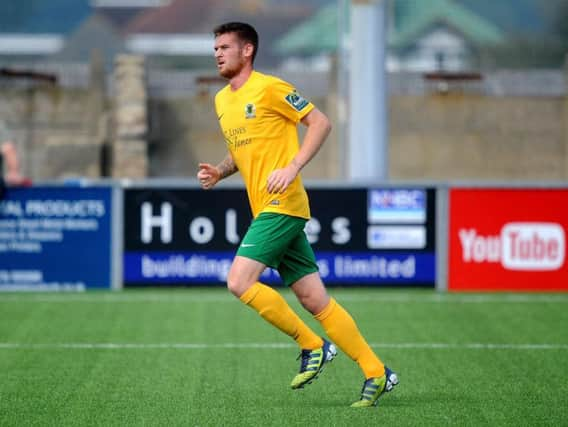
(54, 131)
(185, 132)
(433, 137)
(442, 137)
(63, 132)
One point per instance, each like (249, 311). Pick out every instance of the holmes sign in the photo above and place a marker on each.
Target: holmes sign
(360, 236)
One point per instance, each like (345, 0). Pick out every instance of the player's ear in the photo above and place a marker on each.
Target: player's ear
(248, 50)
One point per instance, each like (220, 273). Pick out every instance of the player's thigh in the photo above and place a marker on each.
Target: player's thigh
(243, 273)
(298, 261)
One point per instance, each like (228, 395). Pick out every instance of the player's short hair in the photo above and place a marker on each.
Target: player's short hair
(244, 32)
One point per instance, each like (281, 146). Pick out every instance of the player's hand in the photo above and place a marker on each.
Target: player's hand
(208, 175)
(280, 179)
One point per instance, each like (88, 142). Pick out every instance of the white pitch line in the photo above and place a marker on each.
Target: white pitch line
(115, 298)
(474, 346)
(195, 297)
(459, 299)
(201, 346)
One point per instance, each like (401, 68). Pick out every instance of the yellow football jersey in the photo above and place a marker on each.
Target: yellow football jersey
(259, 123)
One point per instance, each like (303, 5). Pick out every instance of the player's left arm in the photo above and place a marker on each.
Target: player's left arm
(318, 128)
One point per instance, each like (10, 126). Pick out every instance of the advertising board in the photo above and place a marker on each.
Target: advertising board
(55, 238)
(361, 236)
(508, 239)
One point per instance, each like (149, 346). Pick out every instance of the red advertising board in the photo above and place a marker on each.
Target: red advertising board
(508, 239)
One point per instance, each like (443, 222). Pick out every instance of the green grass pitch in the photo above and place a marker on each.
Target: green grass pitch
(198, 357)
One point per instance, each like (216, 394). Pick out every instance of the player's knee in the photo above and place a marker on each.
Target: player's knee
(236, 285)
(232, 287)
(307, 302)
(314, 302)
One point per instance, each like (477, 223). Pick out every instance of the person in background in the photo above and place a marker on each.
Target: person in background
(10, 170)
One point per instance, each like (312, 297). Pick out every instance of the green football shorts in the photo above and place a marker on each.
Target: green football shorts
(279, 242)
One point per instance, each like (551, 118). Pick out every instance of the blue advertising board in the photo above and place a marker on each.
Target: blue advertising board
(334, 267)
(56, 238)
(361, 236)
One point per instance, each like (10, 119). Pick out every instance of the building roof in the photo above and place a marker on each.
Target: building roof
(180, 16)
(199, 17)
(316, 34)
(411, 19)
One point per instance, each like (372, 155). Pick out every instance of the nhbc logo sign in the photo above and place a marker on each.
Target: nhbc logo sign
(521, 246)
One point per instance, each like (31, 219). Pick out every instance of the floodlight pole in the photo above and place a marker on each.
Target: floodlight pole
(368, 123)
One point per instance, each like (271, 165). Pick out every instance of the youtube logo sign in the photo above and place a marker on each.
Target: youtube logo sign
(519, 246)
(508, 239)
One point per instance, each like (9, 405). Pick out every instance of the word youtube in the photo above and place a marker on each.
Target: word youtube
(526, 246)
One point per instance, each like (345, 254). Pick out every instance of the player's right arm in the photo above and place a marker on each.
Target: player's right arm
(209, 175)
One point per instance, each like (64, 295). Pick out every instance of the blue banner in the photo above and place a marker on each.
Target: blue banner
(56, 238)
(410, 268)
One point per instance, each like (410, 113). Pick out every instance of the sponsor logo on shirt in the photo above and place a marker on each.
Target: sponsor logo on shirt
(296, 101)
(250, 111)
(236, 138)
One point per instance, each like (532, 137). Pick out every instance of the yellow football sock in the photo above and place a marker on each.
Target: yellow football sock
(274, 309)
(343, 331)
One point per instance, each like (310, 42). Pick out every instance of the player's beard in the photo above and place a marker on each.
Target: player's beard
(229, 72)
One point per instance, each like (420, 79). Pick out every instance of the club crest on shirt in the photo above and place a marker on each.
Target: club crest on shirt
(250, 111)
(296, 101)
